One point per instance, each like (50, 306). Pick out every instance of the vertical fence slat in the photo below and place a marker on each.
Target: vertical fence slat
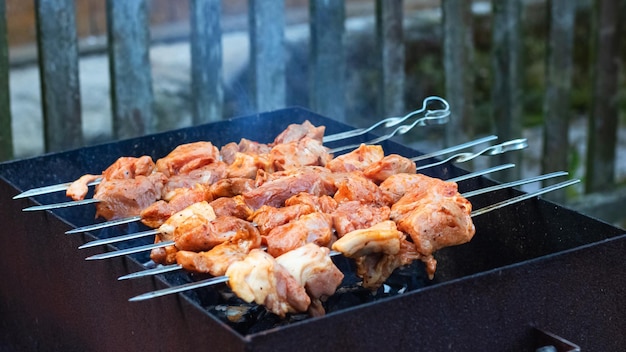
(58, 65)
(603, 120)
(458, 52)
(6, 137)
(327, 58)
(390, 37)
(556, 106)
(131, 81)
(507, 83)
(206, 61)
(267, 53)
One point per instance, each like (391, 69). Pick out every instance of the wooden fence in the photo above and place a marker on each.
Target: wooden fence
(132, 98)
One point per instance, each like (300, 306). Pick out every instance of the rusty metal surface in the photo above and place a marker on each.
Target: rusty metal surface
(534, 264)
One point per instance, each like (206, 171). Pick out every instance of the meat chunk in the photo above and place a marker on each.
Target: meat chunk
(121, 198)
(354, 186)
(357, 160)
(395, 186)
(129, 167)
(296, 132)
(158, 212)
(354, 215)
(246, 146)
(313, 269)
(187, 157)
(79, 188)
(390, 165)
(323, 203)
(205, 175)
(260, 279)
(232, 206)
(383, 237)
(247, 165)
(199, 235)
(267, 217)
(230, 187)
(375, 268)
(310, 228)
(305, 152)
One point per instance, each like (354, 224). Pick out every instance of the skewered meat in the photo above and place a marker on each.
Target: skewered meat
(267, 217)
(375, 268)
(395, 186)
(216, 260)
(158, 212)
(357, 160)
(390, 165)
(280, 187)
(233, 206)
(245, 146)
(120, 198)
(187, 157)
(305, 152)
(310, 228)
(205, 175)
(260, 279)
(383, 237)
(324, 203)
(354, 186)
(296, 132)
(313, 269)
(78, 189)
(247, 165)
(354, 215)
(230, 187)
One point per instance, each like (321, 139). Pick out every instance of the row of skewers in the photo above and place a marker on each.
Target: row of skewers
(266, 218)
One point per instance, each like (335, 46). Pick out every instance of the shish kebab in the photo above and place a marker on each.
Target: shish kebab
(426, 116)
(199, 234)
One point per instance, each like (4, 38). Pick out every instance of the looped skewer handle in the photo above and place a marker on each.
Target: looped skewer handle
(431, 117)
(515, 144)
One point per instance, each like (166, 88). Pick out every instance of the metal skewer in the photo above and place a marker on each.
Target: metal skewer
(222, 279)
(173, 267)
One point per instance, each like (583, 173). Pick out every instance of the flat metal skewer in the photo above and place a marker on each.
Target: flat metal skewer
(222, 279)
(174, 267)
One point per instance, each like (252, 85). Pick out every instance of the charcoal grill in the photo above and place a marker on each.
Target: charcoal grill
(535, 271)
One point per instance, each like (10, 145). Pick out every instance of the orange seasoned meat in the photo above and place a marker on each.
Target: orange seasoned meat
(382, 237)
(158, 212)
(129, 167)
(244, 146)
(267, 217)
(233, 206)
(230, 187)
(395, 186)
(247, 165)
(206, 175)
(358, 159)
(260, 279)
(305, 152)
(310, 228)
(78, 189)
(216, 260)
(122, 198)
(187, 157)
(323, 203)
(277, 189)
(354, 215)
(353, 186)
(202, 236)
(296, 132)
(390, 165)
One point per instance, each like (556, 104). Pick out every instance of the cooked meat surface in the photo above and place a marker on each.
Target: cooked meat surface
(233, 206)
(187, 157)
(78, 189)
(158, 212)
(205, 175)
(230, 187)
(310, 228)
(392, 164)
(267, 217)
(296, 132)
(357, 160)
(305, 152)
(260, 279)
(354, 215)
(323, 203)
(354, 186)
(395, 186)
(383, 237)
(122, 198)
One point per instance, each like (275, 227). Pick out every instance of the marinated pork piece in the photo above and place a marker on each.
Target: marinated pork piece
(247, 165)
(324, 203)
(383, 237)
(392, 164)
(198, 235)
(305, 152)
(313, 269)
(267, 217)
(78, 189)
(233, 206)
(435, 218)
(187, 157)
(230, 187)
(354, 215)
(122, 198)
(197, 213)
(358, 159)
(310, 228)
(216, 260)
(206, 175)
(395, 186)
(158, 212)
(245, 146)
(279, 188)
(260, 279)
(354, 186)
(296, 132)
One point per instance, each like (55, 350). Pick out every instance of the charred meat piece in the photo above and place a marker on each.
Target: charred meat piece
(260, 279)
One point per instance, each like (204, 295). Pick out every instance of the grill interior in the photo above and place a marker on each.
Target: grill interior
(534, 264)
